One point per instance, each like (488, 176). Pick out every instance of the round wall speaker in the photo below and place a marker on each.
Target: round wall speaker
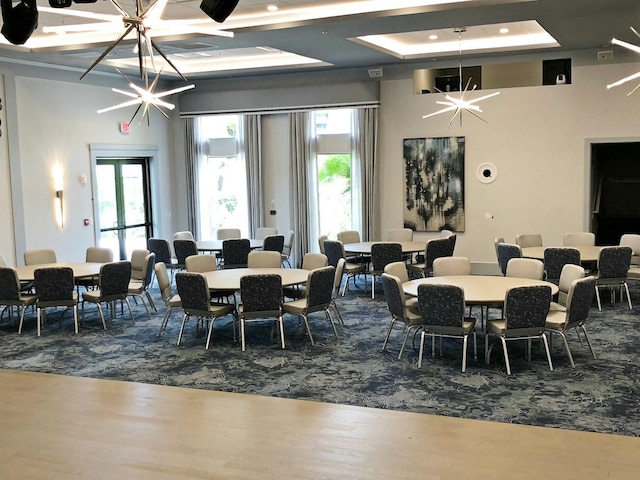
(487, 172)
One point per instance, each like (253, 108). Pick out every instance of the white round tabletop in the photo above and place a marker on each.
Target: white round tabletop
(365, 247)
(216, 245)
(80, 269)
(230, 279)
(588, 253)
(478, 289)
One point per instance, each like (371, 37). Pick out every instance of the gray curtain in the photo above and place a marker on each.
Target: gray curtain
(251, 140)
(365, 174)
(192, 154)
(301, 165)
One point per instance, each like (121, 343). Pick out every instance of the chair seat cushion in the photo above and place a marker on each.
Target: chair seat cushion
(175, 302)
(296, 306)
(496, 326)
(556, 307)
(556, 320)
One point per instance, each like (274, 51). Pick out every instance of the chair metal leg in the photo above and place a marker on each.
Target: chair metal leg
(75, 318)
(464, 353)
(386, 337)
(281, 322)
(104, 324)
(333, 325)
(546, 347)
(421, 349)
(407, 330)
(209, 333)
(133, 321)
(566, 346)
(588, 340)
(506, 355)
(184, 320)
(242, 338)
(626, 288)
(598, 298)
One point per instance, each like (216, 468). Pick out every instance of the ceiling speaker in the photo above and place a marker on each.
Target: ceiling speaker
(19, 22)
(218, 10)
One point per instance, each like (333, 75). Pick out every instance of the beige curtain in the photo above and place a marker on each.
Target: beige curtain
(365, 171)
(251, 139)
(193, 152)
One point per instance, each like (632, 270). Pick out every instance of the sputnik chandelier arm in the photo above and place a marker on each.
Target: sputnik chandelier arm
(633, 48)
(462, 103)
(145, 97)
(141, 23)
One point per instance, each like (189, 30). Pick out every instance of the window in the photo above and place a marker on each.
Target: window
(222, 177)
(335, 206)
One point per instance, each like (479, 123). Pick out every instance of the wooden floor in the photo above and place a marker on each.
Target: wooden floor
(55, 427)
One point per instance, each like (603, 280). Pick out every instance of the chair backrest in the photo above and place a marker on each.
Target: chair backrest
(399, 235)
(138, 264)
(161, 248)
(38, 257)
(261, 293)
(9, 284)
(577, 239)
(115, 278)
(526, 308)
(398, 269)
(632, 240)
(3, 261)
(498, 240)
(525, 240)
(383, 254)
(320, 287)
(273, 243)
(557, 257)
(447, 266)
(334, 251)
(614, 262)
(194, 291)
(164, 283)
(349, 236)
(505, 252)
(579, 299)
(525, 268)
(441, 305)
(452, 244)
(183, 249)
(149, 263)
(444, 233)
(264, 259)
(436, 248)
(54, 283)
(228, 233)
(288, 242)
(235, 252)
(311, 261)
(321, 240)
(99, 255)
(337, 278)
(201, 263)
(393, 293)
(183, 235)
(569, 273)
(263, 232)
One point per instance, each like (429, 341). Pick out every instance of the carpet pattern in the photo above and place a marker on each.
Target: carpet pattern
(600, 395)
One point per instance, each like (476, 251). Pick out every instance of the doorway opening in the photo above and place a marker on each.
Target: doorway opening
(124, 204)
(615, 190)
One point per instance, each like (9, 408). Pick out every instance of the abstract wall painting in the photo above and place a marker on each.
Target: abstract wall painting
(434, 184)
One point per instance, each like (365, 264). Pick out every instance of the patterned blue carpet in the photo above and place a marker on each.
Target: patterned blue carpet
(600, 395)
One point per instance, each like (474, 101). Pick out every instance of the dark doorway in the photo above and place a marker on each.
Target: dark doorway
(615, 190)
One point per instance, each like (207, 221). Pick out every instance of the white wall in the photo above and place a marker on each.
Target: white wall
(538, 139)
(57, 121)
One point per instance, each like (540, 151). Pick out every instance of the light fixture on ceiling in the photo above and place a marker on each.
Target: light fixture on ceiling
(19, 22)
(139, 23)
(146, 97)
(633, 48)
(461, 104)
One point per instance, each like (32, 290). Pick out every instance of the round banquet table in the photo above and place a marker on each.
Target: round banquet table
(478, 289)
(216, 245)
(588, 253)
(230, 279)
(80, 269)
(362, 248)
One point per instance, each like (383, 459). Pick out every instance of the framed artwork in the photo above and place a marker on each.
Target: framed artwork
(434, 184)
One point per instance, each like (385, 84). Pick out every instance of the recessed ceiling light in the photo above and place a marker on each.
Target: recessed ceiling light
(272, 8)
(433, 37)
(504, 30)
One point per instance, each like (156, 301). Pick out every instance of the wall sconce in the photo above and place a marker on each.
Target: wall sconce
(57, 187)
(59, 208)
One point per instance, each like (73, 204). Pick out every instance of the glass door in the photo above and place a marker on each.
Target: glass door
(124, 207)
